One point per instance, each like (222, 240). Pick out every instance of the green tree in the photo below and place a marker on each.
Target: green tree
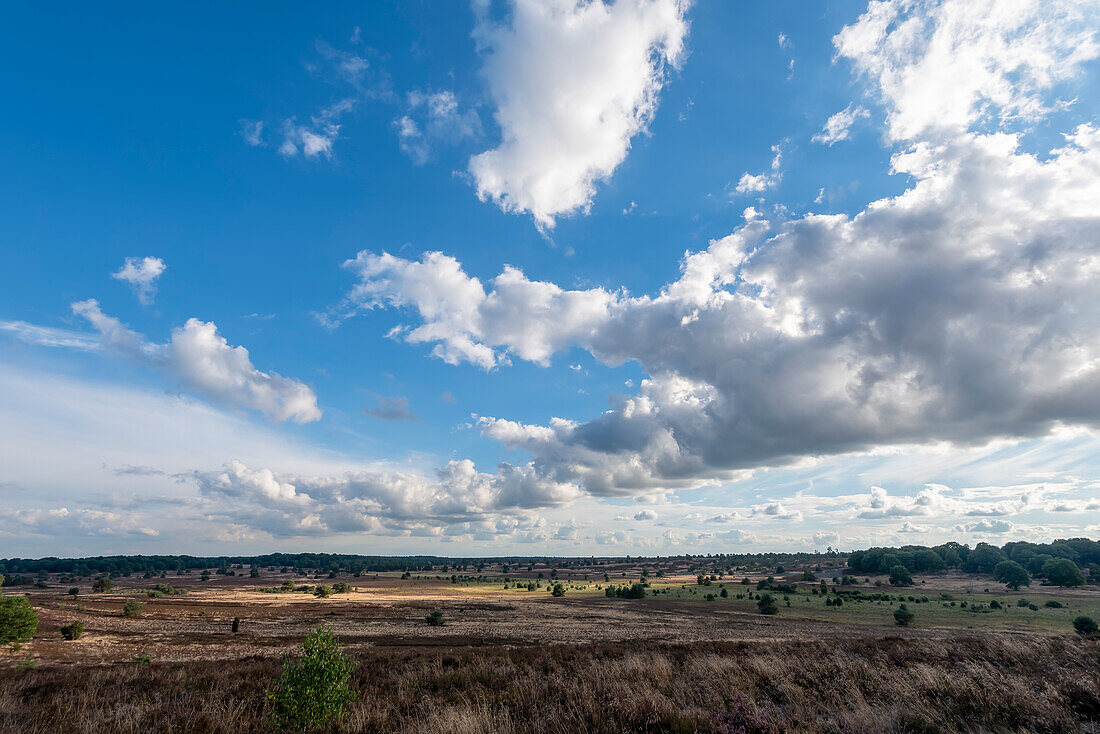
(74, 592)
(434, 618)
(1063, 572)
(558, 590)
(132, 608)
(315, 685)
(1011, 574)
(103, 585)
(18, 620)
(322, 591)
(1085, 625)
(767, 604)
(902, 616)
(72, 631)
(236, 625)
(899, 576)
(341, 587)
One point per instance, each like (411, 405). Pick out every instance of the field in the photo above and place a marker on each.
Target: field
(511, 656)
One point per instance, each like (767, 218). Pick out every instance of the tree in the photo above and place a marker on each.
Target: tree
(1011, 574)
(72, 631)
(724, 593)
(74, 592)
(434, 618)
(18, 620)
(767, 604)
(132, 608)
(322, 591)
(899, 576)
(902, 616)
(1085, 625)
(103, 585)
(236, 625)
(983, 558)
(315, 684)
(1063, 572)
(558, 590)
(341, 587)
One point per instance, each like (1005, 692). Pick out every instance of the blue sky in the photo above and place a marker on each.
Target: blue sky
(874, 353)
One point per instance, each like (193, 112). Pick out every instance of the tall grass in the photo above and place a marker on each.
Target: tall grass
(966, 684)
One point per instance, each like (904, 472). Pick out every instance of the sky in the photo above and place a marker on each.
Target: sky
(549, 277)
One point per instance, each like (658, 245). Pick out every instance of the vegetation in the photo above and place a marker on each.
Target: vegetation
(902, 616)
(315, 686)
(434, 618)
(1011, 574)
(1063, 572)
(18, 620)
(1084, 625)
(103, 585)
(73, 630)
(899, 576)
(132, 608)
(767, 604)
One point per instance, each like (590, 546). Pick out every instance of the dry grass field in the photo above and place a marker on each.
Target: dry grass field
(510, 659)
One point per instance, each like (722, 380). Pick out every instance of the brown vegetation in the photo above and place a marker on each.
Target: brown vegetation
(886, 684)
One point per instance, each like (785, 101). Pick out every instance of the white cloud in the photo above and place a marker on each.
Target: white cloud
(141, 274)
(253, 132)
(755, 183)
(961, 310)
(646, 515)
(48, 336)
(392, 409)
(573, 83)
(317, 138)
(943, 66)
(838, 127)
(441, 121)
(202, 360)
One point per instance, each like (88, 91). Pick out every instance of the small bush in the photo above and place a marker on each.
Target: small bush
(103, 585)
(142, 659)
(1085, 625)
(1022, 602)
(434, 618)
(341, 587)
(767, 604)
(73, 630)
(322, 591)
(236, 625)
(315, 684)
(132, 608)
(903, 617)
(18, 620)
(74, 592)
(558, 590)
(1054, 604)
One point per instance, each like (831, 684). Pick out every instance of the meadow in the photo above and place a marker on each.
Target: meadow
(513, 655)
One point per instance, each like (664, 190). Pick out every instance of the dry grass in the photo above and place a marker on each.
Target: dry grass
(884, 684)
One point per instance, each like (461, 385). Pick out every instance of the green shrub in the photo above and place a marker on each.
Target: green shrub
(74, 592)
(142, 659)
(103, 585)
(767, 604)
(315, 684)
(435, 618)
(558, 590)
(1085, 625)
(1054, 604)
(18, 620)
(236, 625)
(341, 587)
(322, 591)
(132, 608)
(1022, 602)
(902, 616)
(73, 630)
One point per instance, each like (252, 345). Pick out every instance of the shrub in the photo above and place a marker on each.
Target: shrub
(74, 592)
(1085, 625)
(142, 659)
(73, 630)
(18, 620)
(434, 618)
(558, 590)
(723, 593)
(132, 608)
(1022, 602)
(236, 625)
(1033, 607)
(1011, 574)
(315, 684)
(103, 585)
(994, 604)
(902, 616)
(767, 604)
(341, 587)
(899, 576)
(1054, 604)
(322, 591)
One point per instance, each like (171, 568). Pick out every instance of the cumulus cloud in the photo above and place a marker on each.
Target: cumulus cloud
(383, 500)
(962, 310)
(573, 83)
(839, 126)
(61, 522)
(646, 515)
(202, 360)
(141, 274)
(755, 183)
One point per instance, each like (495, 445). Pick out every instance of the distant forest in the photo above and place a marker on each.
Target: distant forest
(1037, 560)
